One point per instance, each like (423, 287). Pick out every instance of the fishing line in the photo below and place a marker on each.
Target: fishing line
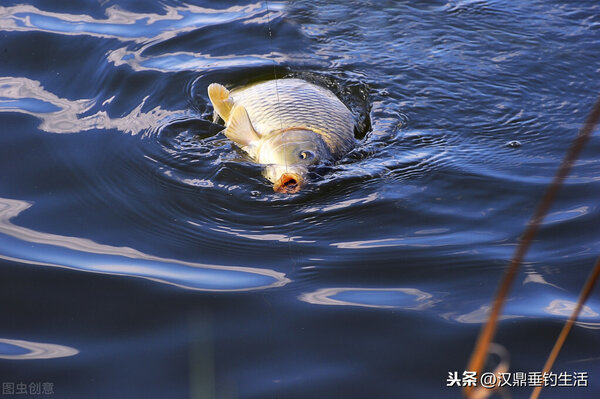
(487, 332)
(275, 74)
(289, 240)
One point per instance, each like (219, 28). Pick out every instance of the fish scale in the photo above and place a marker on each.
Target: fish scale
(300, 104)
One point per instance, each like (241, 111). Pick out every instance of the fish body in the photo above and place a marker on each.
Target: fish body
(287, 125)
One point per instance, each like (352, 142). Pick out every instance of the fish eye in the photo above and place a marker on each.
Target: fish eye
(306, 155)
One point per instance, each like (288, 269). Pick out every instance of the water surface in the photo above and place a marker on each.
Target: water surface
(144, 255)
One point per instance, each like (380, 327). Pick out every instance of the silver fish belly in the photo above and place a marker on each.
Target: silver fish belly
(286, 124)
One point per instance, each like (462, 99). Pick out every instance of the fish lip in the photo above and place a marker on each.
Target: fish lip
(289, 183)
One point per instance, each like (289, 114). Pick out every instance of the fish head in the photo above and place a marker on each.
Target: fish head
(289, 155)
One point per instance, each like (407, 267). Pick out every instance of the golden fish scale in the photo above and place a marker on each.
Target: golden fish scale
(294, 103)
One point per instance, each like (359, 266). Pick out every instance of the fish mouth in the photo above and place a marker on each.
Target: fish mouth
(288, 183)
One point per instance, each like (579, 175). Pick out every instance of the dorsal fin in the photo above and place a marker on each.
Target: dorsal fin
(222, 103)
(239, 128)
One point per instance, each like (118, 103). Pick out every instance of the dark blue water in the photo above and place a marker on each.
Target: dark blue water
(142, 255)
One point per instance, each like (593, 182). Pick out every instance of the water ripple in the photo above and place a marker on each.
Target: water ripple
(126, 25)
(543, 305)
(60, 115)
(16, 349)
(382, 298)
(16, 244)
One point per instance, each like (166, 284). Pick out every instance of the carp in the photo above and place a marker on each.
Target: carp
(288, 125)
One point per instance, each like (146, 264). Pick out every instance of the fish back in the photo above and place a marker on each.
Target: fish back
(283, 104)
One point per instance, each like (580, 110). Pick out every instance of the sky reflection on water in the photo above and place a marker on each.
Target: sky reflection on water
(16, 349)
(86, 255)
(60, 115)
(126, 25)
(382, 298)
(145, 30)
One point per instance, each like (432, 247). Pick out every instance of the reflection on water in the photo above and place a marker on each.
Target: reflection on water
(86, 255)
(149, 29)
(415, 223)
(418, 241)
(126, 25)
(541, 306)
(415, 299)
(59, 115)
(536, 278)
(562, 307)
(15, 349)
(566, 215)
(343, 204)
(260, 235)
(383, 298)
(185, 61)
(478, 316)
